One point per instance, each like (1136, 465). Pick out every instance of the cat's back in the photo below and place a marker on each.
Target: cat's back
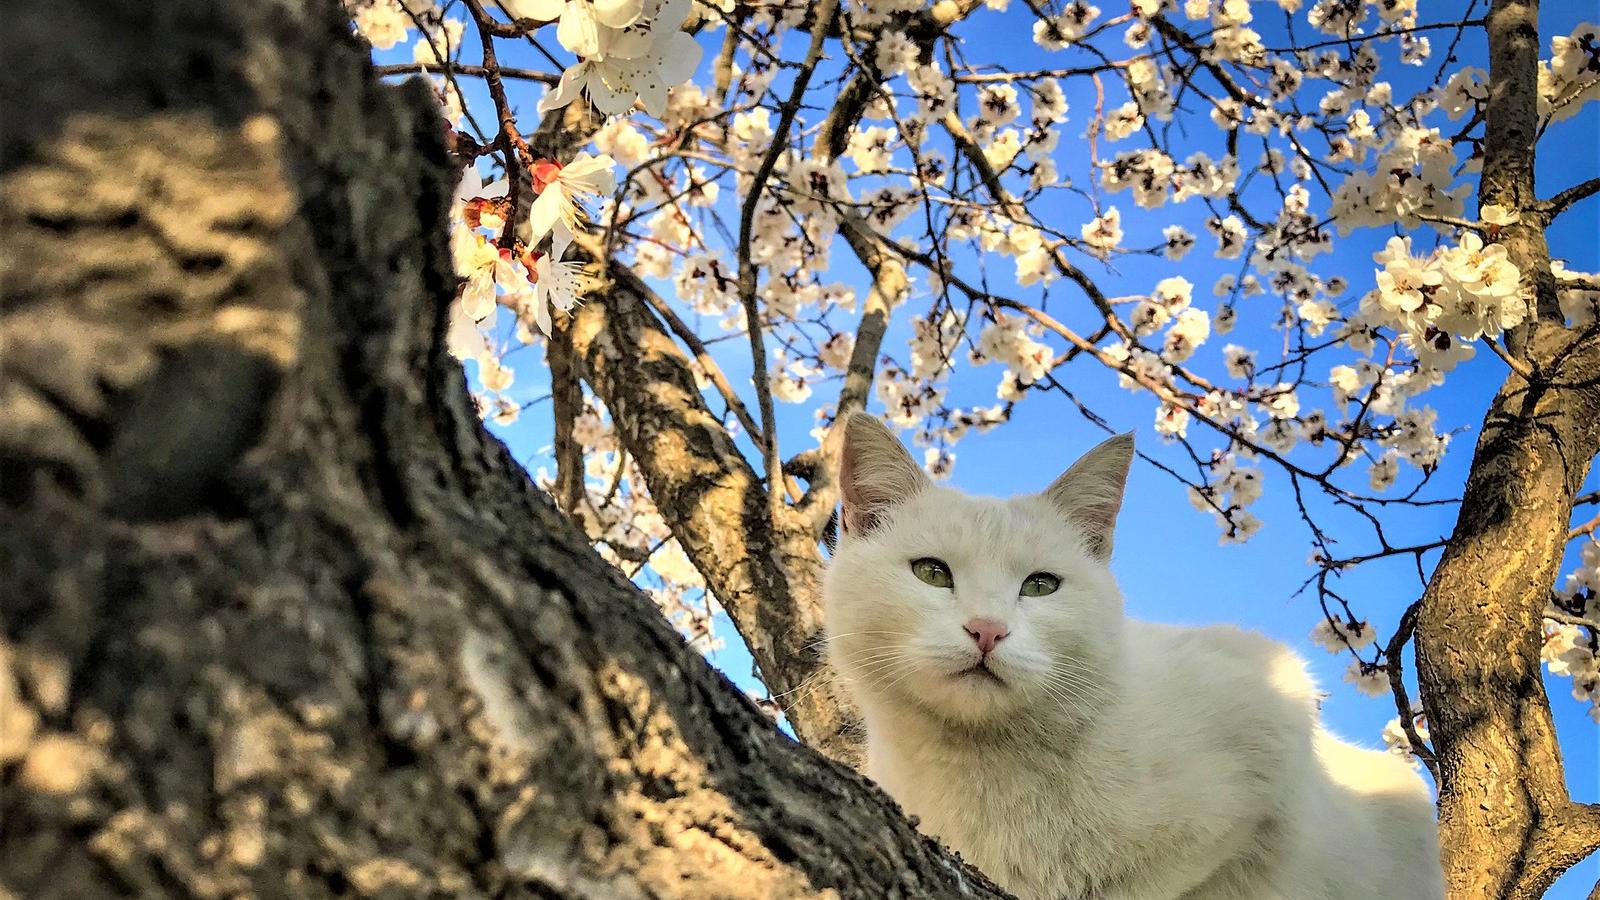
(1356, 822)
(1373, 823)
(1234, 713)
(1228, 678)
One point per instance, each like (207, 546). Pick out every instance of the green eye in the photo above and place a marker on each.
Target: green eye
(932, 571)
(1039, 584)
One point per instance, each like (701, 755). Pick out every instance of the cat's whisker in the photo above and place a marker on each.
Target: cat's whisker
(878, 661)
(865, 659)
(866, 670)
(876, 651)
(871, 672)
(1075, 672)
(828, 639)
(1082, 694)
(808, 682)
(871, 661)
(1067, 706)
(1077, 679)
(878, 675)
(882, 653)
(910, 670)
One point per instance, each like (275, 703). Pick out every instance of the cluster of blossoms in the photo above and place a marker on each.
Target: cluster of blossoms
(1345, 634)
(1571, 646)
(1014, 342)
(531, 283)
(1156, 180)
(628, 50)
(1571, 77)
(1396, 739)
(1445, 302)
(386, 23)
(1414, 175)
(1233, 486)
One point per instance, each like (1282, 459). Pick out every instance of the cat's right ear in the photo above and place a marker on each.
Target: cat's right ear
(875, 473)
(1090, 493)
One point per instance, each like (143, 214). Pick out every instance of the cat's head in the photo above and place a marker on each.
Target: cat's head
(973, 609)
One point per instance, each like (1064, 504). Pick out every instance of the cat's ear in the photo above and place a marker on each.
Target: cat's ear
(1090, 493)
(875, 473)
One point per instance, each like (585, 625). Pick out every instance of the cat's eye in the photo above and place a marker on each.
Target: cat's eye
(932, 571)
(1040, 584)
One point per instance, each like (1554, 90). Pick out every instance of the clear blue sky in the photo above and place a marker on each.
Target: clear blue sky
(1168, 559)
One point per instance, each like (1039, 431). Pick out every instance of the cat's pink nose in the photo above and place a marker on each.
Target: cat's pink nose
(986, 633)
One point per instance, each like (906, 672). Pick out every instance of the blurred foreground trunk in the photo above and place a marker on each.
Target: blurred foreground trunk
(277, 617)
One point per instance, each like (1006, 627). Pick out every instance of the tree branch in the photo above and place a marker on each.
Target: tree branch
(567, 403)
(1479, 626)
(1402, 702)
(766, 573)
(1558, 204)
(823, 18)
(468, 70)
(708, 364)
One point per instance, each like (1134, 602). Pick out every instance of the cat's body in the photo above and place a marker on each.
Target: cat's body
(1072, 753)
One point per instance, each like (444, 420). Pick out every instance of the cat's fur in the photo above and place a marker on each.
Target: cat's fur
(1119, 760)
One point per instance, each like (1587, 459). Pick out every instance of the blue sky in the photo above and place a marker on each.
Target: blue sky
(1168, 559)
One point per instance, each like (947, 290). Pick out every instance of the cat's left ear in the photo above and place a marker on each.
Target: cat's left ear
(1090, 493)
(875, 473)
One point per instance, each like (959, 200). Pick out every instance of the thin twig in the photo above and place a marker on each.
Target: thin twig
(1402, 702)
(1518, 366)
(464, 69)
(1570, 619)
(747, 271)
(1559, 203)
(509, 139)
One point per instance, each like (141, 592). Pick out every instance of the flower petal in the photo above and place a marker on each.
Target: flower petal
(609, 90)
(680, 56)
(463, 339)
(560, 240)
(625, 43)
(547, 211)
(477, 298)
(618, 13)
(592, 174)
(543, 10)
(578, 31)
(568, 90)
(669, 15)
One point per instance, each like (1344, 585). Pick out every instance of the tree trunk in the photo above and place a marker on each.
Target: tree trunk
(278, 618)
(1507, 825)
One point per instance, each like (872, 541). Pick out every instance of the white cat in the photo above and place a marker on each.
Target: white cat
(1070, 752)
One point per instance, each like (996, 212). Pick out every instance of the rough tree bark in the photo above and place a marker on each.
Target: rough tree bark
(277, 618)
(1508, 826)
(768, 578)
